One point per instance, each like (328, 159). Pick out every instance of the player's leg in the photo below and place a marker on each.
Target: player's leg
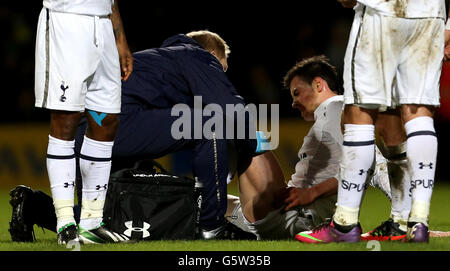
(389, 125)
(393, 146)
(61, 167)
(262, 187)
(95, 166)
(370, 65)
(358, 157)
(259, 208)
(94, 148)
(417, 89)
(277, 224)
(103, 103)
(421, 151)
(50, 90)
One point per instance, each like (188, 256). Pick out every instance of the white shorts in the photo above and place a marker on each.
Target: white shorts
(391, 61)
(279, 225)
(77, 63)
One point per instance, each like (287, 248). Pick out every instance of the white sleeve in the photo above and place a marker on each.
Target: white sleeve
(334, 153)
(307, 152)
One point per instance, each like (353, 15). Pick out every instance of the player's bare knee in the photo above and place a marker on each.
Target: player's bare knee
(110, 123)
(64, 125)
(393, 135)
(389, 127)
(354, 114)
(412, 111)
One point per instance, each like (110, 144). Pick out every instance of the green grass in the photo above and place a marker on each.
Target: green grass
(375, 209)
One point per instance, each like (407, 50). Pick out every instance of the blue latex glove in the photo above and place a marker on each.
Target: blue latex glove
(263, 143)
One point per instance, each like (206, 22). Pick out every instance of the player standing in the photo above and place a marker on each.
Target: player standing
(394, 57)
(81, 51)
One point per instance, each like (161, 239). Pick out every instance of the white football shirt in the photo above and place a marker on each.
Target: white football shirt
(82, 7)
(408, 8)
(321, 151)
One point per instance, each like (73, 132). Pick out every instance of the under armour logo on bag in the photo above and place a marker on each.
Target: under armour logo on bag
(130, 229)
(63, 88)
(362, 171)
(69, 184)
(97, 187)
(422, 165)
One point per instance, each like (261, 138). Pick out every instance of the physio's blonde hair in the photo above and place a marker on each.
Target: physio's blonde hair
(210, 41)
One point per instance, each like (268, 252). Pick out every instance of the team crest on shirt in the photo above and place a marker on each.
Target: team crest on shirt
(63, 88)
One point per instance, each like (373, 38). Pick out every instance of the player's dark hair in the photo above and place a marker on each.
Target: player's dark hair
(309, 68)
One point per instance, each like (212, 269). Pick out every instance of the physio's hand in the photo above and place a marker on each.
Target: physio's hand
(299, 197)
(347, 3)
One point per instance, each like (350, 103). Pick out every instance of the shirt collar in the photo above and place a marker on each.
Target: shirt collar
(179, 39)
(322, 108)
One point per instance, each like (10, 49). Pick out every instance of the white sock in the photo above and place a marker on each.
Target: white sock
(421, 152)
(95, 167)
(399, 183)
(358, 159)
(61, 172)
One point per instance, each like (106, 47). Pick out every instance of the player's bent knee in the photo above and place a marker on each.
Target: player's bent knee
(102, 126)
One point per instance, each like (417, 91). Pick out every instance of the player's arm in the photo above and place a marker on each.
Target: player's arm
(126, 59)
(347, 3)
(304, 196)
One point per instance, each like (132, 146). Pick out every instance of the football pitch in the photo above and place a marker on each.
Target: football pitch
(375, 209)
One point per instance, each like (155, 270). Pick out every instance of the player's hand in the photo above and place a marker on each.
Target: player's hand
(126, 60)
(125, 57)
(347, 3)
(299, 197)
(447, 46)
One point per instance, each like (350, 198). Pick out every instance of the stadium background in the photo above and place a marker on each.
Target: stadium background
(265, 40)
